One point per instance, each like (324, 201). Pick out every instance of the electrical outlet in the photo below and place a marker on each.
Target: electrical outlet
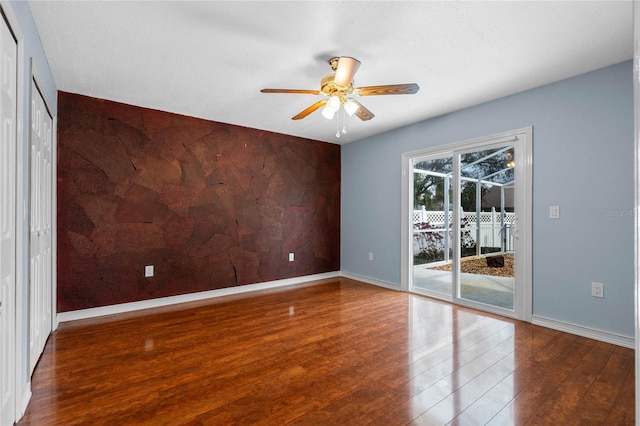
(597, 289)
(370, 256)
(148, 271)
(291, 257)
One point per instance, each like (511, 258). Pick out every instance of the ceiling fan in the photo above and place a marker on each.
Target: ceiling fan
(339, 86)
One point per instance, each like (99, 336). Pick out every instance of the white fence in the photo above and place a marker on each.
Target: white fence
(495, 229)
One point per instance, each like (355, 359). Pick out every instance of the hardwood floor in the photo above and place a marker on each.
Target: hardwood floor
(337, 352)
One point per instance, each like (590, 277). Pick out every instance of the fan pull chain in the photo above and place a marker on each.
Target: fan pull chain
(338, 125)
(344, 121)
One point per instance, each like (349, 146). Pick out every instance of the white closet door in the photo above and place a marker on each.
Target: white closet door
(8, 144)
(40, 225)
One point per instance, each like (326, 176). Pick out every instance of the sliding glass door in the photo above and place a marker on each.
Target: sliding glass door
(432, 225)
(465, 203)
(486, 182)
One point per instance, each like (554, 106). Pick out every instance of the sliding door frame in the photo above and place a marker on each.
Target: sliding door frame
(524, 202)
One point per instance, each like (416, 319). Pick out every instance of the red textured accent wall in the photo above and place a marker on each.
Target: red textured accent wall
(210, 205)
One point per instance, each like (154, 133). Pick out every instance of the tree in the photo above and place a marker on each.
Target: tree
(429, 189)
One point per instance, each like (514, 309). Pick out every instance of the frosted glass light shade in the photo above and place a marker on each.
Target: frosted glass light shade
(350, 106)
(327, 112)
(333, 105)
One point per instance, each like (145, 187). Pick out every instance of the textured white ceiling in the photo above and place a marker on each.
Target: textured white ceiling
(210, 59)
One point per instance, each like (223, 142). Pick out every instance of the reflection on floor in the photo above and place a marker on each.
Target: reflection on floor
(495, 291)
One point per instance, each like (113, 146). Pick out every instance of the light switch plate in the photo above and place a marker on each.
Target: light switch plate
(554, 212)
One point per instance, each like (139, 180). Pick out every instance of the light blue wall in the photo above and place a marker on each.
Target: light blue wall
(583, 162)
(21, 19)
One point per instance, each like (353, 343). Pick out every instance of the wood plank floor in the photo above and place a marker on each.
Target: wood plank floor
(337, 352)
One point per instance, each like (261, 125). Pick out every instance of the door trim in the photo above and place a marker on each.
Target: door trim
(22, 380)
(524, 175)
(636, 195)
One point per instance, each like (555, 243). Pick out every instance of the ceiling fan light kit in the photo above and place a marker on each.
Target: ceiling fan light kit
(339, 86)
(350, 106)
(332, 106)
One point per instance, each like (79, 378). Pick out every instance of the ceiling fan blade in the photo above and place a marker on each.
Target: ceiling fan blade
(309, 110)
(362, 113)
(389, 89)
(298, 91)
(345, 71)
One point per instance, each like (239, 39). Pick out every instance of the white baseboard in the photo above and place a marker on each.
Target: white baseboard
(191, 297)
(603, 336)
(369, 280)
(578, 330)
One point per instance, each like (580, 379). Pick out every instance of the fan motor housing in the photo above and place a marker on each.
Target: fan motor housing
(329, 87)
